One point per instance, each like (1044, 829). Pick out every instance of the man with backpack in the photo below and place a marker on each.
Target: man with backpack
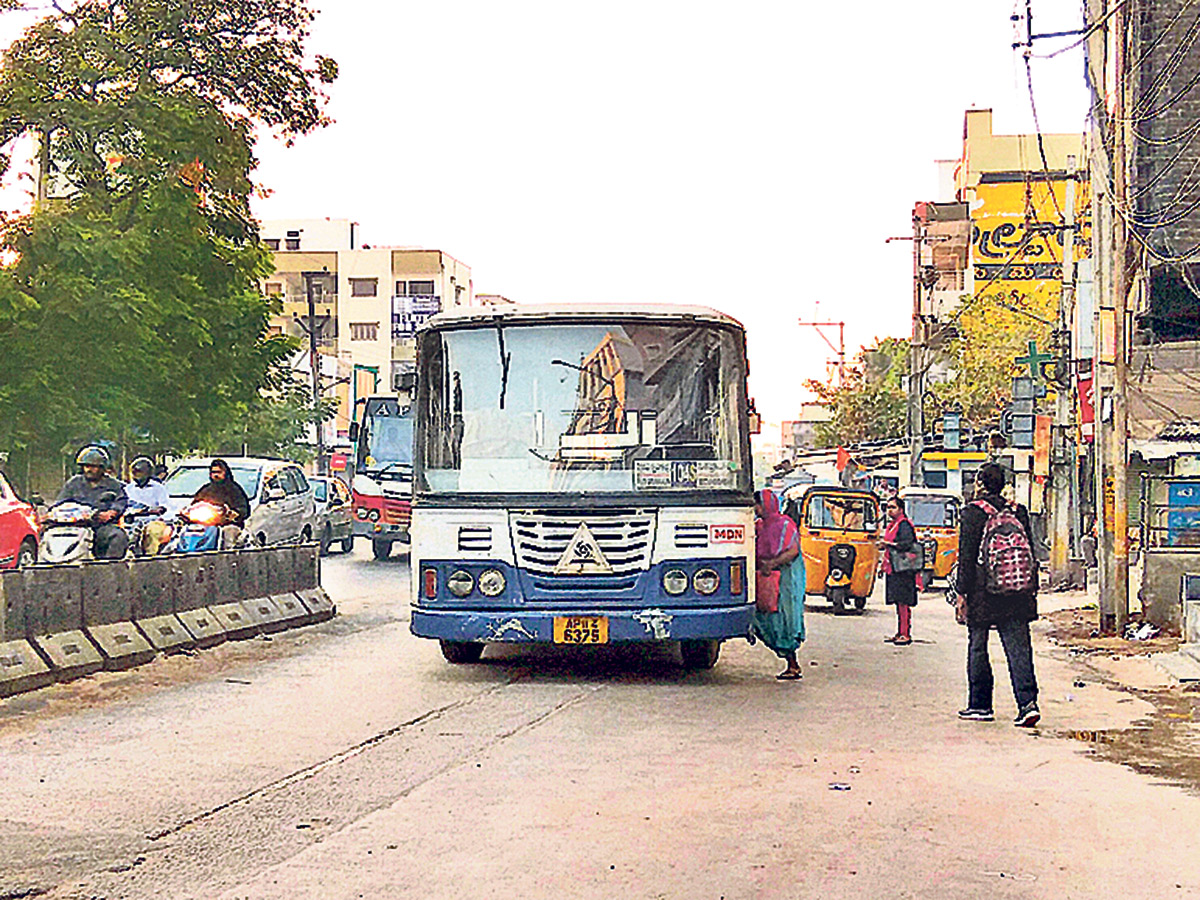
(997, 588)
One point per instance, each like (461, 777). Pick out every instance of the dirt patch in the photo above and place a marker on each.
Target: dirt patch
(1079, 631)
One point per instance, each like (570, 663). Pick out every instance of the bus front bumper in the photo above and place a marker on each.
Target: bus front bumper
(537, 626)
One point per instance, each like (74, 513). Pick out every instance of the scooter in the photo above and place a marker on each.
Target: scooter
(137, 517)
(199, 527)
(67, 533)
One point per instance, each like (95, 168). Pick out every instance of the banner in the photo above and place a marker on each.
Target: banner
(1087, 409)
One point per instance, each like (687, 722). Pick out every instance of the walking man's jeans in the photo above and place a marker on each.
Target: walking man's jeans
(1014, 635)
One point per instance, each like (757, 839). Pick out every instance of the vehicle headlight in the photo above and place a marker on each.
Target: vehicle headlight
(374, 515)
(460, 583)
(491, 583)
(362, 512)
(675, 582)
(706, 582)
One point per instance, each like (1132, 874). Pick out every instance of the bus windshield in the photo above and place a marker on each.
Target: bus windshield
(385, 438)
(629, 406)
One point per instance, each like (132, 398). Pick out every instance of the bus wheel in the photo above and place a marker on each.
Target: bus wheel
(381, 549)
(700, 654)
(860, 603)
(461, 651)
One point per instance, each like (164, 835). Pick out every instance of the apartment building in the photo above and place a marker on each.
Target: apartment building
(367, 300)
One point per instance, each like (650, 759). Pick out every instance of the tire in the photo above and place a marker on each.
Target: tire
(699, 654)
(837, 596)
(461, 652)
(381, 549)
(27, 555)
(326, 540)
(860, 603)
(348, 544)
(306, 535)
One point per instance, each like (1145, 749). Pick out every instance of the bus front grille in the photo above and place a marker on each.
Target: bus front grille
(625, 537)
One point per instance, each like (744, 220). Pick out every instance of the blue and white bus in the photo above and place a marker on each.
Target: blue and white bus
(582, 476)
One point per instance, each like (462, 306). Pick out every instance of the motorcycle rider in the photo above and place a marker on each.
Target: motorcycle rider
(222, 488)
(148, 502)
(91, 487)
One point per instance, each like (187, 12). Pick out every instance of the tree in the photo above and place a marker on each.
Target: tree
(132, 306)
(993, 331)
(871, 402)
(977, 365)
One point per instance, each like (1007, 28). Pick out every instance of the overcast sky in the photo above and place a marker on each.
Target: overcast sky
(752, 157)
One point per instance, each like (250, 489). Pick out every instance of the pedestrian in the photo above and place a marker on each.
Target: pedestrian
(899, 544)
(779, 608)
(997, 588)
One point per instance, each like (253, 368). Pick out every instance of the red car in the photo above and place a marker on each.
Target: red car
(18, 529)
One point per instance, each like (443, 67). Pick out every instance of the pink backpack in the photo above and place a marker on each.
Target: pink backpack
(1004, 553)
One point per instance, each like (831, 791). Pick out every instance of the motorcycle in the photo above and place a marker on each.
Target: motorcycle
(67, 532)
(199, 528)
(137, 518)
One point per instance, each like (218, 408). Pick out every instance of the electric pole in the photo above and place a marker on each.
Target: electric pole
(1061, 446)
(1121, 283)
(916, 367)
(840, 349)
(1112, 353)
(314, 362)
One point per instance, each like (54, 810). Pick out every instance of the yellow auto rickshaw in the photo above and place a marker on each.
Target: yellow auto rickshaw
(934, 514)
(838, 529)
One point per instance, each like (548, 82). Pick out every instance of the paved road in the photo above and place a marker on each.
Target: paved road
(347, 760)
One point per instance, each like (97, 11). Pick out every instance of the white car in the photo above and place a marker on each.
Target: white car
(282, 508)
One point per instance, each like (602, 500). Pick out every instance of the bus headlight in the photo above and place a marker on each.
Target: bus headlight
(374, 516)
(362, 512)
(706, 582)
(460, 583)
(491, 583)
(675, 582)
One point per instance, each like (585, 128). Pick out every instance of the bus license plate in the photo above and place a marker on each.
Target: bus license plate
(581, 629)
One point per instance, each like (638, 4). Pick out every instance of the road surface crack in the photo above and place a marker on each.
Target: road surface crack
(338, 758)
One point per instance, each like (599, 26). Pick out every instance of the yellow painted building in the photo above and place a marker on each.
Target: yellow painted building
(1017, 208)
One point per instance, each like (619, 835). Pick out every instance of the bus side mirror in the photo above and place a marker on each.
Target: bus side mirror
(353, 433)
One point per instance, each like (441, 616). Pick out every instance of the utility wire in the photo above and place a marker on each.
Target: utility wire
(1096, 26)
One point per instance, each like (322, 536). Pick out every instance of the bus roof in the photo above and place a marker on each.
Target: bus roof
(463, 315)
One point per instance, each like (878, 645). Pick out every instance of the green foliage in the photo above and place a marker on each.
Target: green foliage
(131, 309)
(990, 337)
(271, 424)
(979, 361)
(870, 403)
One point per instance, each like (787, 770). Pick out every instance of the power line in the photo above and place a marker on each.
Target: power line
(1092, 29)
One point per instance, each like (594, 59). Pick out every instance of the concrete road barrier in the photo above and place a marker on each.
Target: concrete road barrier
(235, 619)
(265, 575)
(54, 620)
(294, 612)
(61, 622)
(306, 582)
(21, 668)
(154, 605)
(107, 596)
(266, 614)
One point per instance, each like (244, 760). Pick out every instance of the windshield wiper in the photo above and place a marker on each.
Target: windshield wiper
(505, 359)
